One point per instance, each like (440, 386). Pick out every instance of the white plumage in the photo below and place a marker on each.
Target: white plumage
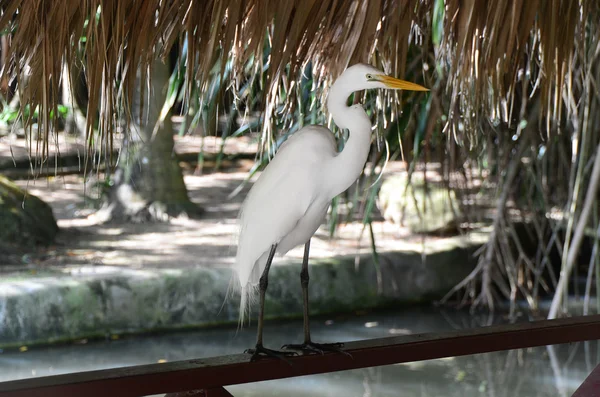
(290, 199)
(290, 191)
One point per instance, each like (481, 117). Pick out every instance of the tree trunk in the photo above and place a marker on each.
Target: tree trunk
(148, 183)
(75, 122)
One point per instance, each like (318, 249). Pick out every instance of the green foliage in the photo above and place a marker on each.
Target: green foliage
(437, 30)
(10, 115)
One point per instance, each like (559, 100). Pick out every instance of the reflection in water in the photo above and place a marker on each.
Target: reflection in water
(535, 372)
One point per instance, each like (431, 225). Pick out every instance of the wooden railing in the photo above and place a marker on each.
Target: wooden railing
(207, 376)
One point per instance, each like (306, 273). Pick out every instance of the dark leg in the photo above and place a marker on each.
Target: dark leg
(263, 284)
(304, 279)
(309, 345)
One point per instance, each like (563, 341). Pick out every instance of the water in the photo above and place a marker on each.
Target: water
(524, 373)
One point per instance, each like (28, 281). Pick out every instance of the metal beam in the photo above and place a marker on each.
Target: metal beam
(213, 373)
(590, 386)
(217, 392)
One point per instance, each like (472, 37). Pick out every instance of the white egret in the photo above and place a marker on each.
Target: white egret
(289, 201)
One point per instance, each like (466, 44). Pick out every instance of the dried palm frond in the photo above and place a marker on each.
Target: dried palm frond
(485, 45)
(122, 36)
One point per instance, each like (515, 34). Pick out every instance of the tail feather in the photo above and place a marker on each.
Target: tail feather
(248, 296)
(247, 300)
(245, 280)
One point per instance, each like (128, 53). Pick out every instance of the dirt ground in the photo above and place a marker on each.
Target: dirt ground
(209, 241)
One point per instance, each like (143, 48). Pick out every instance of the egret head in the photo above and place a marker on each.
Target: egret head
(363, 77)
(360, 77)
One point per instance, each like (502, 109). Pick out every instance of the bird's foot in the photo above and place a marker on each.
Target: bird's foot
(261, 351)
(311, 347)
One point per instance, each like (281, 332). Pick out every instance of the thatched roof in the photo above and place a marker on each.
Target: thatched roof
(489, 48)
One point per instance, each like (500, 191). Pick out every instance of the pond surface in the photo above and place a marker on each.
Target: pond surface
(534, 372)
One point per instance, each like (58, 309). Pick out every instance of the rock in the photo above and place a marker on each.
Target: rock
(24, 218)
(422, 211)
(100, 301)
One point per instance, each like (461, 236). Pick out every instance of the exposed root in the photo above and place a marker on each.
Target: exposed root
(489, 258)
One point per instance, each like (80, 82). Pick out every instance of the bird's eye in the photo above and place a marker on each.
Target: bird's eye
(369, 77)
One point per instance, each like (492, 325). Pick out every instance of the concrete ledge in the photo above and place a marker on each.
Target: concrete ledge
(97, 302)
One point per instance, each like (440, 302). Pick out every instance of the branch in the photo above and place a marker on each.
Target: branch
(590, 198)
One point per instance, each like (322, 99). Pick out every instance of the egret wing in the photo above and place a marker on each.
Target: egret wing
(271, 211)
(281, 197)
(312, 141)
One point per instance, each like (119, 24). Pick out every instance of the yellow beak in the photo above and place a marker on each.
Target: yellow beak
(392, 82)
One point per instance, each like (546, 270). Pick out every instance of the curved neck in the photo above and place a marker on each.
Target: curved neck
(345, 168)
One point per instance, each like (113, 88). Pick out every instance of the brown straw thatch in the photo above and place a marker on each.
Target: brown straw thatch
(484, 43)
